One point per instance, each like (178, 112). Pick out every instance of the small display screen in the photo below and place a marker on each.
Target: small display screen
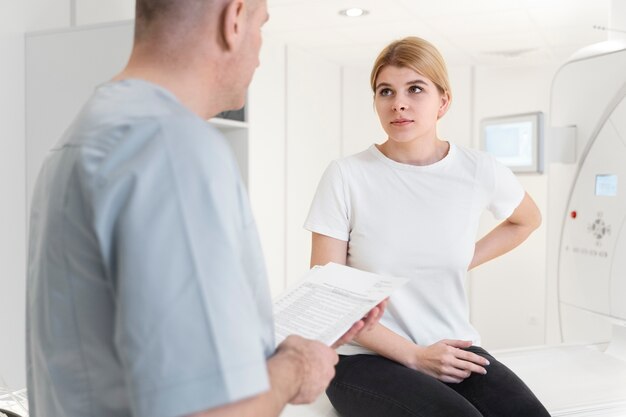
(606, 185)
(511, 143)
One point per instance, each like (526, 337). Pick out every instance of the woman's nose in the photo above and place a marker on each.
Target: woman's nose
(399, 107)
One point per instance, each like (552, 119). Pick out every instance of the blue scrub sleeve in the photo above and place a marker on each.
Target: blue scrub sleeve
(169, 223)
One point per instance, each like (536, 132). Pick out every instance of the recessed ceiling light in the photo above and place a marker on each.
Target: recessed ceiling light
(353, 12)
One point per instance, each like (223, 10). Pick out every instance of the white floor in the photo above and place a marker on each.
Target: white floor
(576, 380)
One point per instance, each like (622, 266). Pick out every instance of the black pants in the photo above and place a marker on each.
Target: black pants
(373, 386)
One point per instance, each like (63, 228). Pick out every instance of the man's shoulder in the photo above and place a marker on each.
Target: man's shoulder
(112, 144)
(139, 107)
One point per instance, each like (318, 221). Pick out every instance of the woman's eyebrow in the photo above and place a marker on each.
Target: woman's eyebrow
(422, 82)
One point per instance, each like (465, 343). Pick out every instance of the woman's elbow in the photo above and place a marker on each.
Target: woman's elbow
(536, 220)
(531, 214)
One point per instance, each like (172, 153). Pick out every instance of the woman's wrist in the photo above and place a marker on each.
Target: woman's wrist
(412, 357)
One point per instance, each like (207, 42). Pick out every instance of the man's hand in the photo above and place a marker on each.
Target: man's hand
(316, 366)
(365, 324)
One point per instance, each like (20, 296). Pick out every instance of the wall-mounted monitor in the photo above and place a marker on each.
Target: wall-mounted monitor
(515, 140)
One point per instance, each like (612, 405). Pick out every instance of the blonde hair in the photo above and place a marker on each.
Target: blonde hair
(417, 54)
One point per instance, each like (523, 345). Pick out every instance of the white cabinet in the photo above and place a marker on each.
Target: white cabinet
(56, 14)
(237, 134)
(89, 12)
(47, 14)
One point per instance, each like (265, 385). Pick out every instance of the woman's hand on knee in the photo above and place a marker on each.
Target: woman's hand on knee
(447, 361)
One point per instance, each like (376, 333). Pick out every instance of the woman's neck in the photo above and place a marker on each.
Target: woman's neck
(415, 152)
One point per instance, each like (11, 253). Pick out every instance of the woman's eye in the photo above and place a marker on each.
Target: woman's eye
(385, 92)
(415, 89)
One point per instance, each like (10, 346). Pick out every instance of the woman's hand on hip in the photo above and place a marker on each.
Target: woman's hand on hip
(447, 361)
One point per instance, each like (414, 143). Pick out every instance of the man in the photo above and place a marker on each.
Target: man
(147, 293)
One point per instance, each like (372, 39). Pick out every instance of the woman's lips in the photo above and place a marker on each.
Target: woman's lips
(401, 122)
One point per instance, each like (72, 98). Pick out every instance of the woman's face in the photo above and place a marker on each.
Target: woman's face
(408, 104)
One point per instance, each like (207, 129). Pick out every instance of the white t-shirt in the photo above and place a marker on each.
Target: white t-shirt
(418, 222)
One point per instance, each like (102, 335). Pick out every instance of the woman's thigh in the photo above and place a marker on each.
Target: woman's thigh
(373, 386)
(500, 392)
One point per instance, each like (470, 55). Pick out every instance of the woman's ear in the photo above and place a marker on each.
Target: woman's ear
(445, 104)
(233, 21)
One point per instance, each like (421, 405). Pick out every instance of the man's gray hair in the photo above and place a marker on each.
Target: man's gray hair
(155, 16)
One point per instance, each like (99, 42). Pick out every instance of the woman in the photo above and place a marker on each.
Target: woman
(411, 207)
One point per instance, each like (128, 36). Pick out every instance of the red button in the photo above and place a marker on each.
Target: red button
(573, 214)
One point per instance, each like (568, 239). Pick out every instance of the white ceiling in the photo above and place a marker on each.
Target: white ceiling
(467, 32)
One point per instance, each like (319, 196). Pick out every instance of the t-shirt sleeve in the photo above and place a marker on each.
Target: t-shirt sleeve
(329, 212)
(507, 191)
(186, 328)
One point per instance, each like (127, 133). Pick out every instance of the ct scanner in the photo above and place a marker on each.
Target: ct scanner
(582, 371)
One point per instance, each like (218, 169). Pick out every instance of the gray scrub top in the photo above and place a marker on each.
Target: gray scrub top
(147, 292)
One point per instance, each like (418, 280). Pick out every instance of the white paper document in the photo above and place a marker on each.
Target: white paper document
(328, 301)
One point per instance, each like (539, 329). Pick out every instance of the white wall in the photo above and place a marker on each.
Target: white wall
(97, 11)
(56, 14)
(360, 127)
(313, 140)
(12, 190)
(267, 153)
(47, 14)
(508, 294)
(456, 125)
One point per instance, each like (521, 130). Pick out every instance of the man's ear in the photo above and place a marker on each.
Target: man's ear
(234, 19)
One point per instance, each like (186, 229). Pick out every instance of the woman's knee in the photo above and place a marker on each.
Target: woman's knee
(351, 401)
(367, 385)
(500, 392)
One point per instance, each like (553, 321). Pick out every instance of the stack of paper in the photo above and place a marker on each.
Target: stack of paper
(328, 301)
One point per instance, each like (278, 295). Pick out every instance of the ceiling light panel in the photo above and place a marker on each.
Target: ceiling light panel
(354, 12)
(324, 14)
